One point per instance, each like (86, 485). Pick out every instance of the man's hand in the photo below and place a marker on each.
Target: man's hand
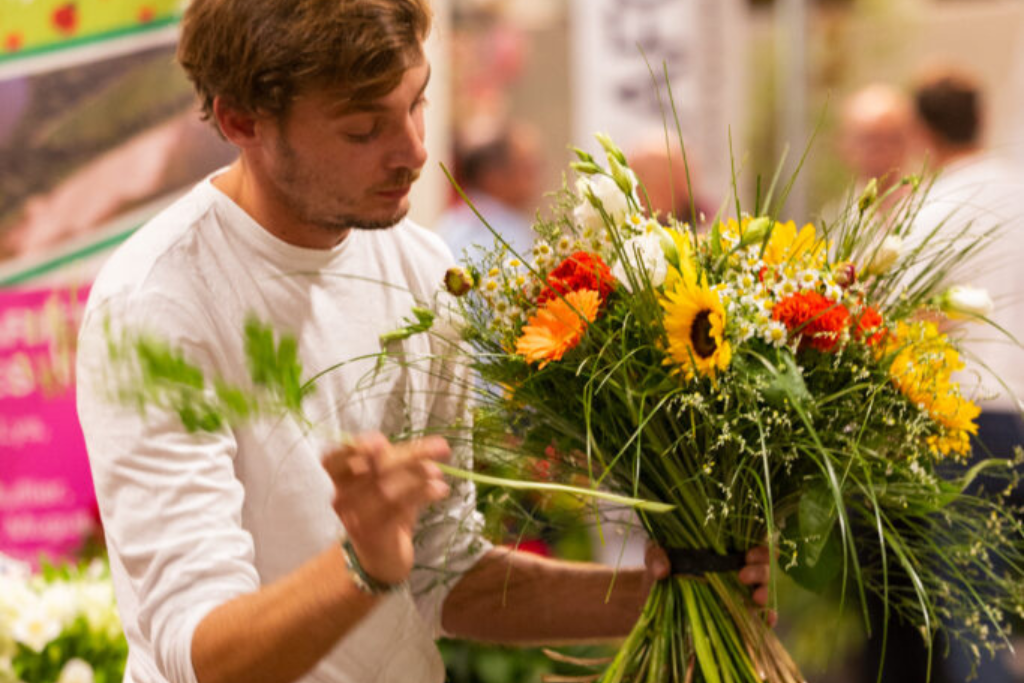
(756, 573)
(380, 489)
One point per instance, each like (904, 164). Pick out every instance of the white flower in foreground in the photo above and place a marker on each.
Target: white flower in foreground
(961, 301)
(607, 192)
(76, 671)
(884, 255)
(35, 628)
(643, 253)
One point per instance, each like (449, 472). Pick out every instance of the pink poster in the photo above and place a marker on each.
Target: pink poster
(47, 501)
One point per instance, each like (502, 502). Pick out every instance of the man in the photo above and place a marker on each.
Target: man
(225, 548)
(979, 192)
(974, 193)
(876, 132)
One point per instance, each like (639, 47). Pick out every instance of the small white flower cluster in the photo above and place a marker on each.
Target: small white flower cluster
(753, 289)
(34, 612)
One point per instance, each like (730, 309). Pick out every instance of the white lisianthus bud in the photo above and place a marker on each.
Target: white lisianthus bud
(884, 255)
(76, 671)
(599, 189)
(642, 254)
(961, 301)
(668, 245)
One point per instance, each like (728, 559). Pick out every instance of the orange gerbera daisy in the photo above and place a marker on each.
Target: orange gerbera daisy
(558, 326)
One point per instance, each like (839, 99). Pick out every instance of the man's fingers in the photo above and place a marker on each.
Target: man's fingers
(373, 454)
(429, 448)
(755, 574)
(758, 555)
(656, 561)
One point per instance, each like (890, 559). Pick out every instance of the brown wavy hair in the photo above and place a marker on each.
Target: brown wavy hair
(258, 55)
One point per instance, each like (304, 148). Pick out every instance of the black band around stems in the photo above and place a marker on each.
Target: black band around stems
(695, 562)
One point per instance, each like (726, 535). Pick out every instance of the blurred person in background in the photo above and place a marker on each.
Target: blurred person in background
(498, 166)
(875, 136)
(975, 193)
(979, 190)
(662, 171)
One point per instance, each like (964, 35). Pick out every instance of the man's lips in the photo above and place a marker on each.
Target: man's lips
(395, 192)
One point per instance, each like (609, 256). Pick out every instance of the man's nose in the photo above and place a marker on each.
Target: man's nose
(410, 150)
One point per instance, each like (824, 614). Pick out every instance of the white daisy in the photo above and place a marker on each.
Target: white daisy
(775, 333)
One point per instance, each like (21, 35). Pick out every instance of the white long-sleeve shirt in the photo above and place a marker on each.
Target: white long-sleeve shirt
(194, 520)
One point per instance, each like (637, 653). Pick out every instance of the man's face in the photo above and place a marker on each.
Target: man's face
(338, 166)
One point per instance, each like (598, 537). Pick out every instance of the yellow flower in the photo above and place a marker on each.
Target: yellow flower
(922, 368)
(695, 325)
(786, 244)
(558, 326)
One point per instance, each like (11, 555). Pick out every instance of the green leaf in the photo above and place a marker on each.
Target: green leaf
(819, 551)
(787, 383)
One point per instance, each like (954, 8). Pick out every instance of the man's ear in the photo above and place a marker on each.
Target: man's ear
(237, 126)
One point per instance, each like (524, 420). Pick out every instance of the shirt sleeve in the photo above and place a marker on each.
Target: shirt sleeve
(170, 502)
(449, 537)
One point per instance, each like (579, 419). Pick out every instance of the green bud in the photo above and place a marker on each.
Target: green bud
(610, 148)
(585, 167)
(913, 180)
(458, 282)
(756, 231)
(869, 196)
(621, 176)
(583, 156)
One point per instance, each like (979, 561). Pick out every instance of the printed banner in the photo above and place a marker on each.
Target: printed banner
(616, 46)
(29, 27)
(47, 503)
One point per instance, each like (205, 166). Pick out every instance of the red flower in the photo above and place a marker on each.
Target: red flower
(820, 320)
(869, 325)
(581, 270)
(146, 14)
(65, 18)
(13, 42)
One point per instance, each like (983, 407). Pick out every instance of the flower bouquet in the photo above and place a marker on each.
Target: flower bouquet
(761, 382)
(60, 625)
(769, 382)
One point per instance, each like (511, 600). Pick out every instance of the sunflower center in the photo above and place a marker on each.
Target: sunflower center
(700, 335)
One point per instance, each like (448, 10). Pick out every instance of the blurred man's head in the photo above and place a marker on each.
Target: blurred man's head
(662, 172)
(949, 112)
(503, 161)
(876, 131)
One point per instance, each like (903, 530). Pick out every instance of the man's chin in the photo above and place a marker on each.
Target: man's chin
(365, 222)
(376, 223)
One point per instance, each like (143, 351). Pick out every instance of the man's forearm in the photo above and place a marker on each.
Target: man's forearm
(280, 632)
(518, 598)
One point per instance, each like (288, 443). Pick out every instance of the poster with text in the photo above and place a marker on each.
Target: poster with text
(47, 503)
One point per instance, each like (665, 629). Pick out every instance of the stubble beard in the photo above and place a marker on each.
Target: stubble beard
(293, 179)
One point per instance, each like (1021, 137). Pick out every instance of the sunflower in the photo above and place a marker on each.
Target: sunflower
(695, 325)
(558, 326)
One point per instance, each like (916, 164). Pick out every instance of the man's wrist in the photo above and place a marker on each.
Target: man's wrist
(363, 580)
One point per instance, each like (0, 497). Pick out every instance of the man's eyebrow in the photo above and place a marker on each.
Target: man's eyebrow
(374, 106)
